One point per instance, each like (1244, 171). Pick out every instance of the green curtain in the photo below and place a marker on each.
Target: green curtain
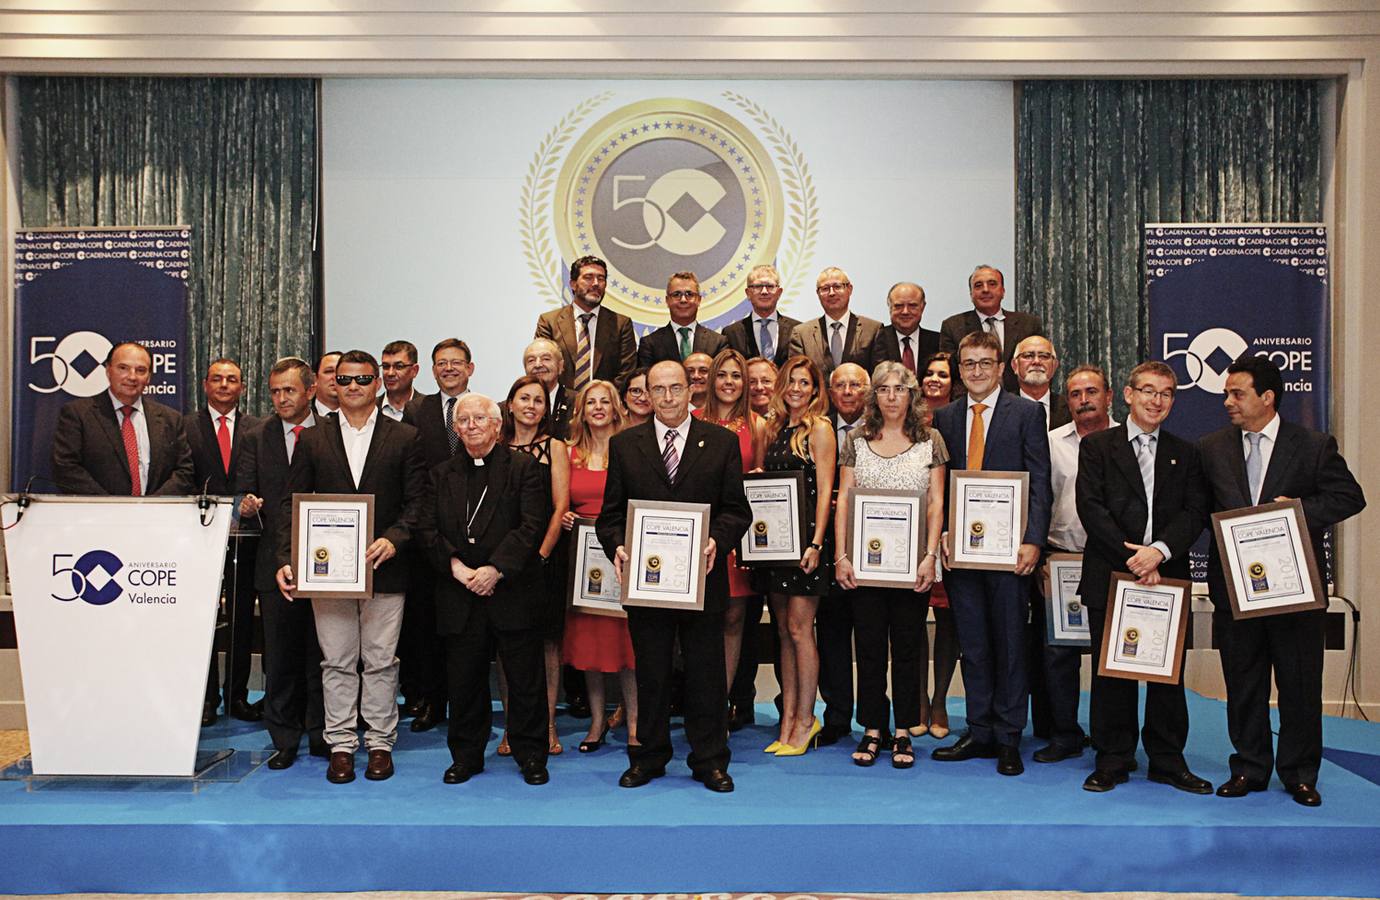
(234, 158)
(1098, 159)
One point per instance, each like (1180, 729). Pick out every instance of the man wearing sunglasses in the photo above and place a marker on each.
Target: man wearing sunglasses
(764, 332)
(683, 335)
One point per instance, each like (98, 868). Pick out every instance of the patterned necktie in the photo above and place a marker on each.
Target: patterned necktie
(670, 457)
(836, 344)
(764, 342)
(907, 354)
(583, 356)
(131, 450)
(452, 439)
(1145, 458)
(223, 438)
(296, 439)
(1253, 467)
(977, 438)
(684, 341)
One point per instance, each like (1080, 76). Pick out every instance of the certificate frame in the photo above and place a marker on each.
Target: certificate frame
(758, 531)
(1123, 598)
(644, 565)
(309, 582)
(584, 562)
(868, 571)
(1067, 618)
(1245, 576)
(964, 556)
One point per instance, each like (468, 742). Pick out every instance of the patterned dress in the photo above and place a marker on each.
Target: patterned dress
(790, 579)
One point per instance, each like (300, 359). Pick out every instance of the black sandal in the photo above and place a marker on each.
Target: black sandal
(901, 747)
(870, 746)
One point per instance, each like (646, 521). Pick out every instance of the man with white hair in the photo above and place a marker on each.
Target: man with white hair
(543, 360)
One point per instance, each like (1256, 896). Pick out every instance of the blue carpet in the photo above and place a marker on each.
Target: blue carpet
(814, 823)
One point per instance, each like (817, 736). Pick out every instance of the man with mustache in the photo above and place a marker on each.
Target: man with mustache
(596, 343)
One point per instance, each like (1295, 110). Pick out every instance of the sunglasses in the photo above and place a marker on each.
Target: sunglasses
(343, 380)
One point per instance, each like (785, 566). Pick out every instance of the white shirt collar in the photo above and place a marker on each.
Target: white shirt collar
(773, 316)
(308, 422)
(992, 396)
(137, 404)
(369, 423)
(682, 430)
(1134, 431)
(1271, 430)
(231, 417)
(830, 322)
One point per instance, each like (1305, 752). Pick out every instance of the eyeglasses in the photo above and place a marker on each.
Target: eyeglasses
(469, 421)
(661, 390)
(637, 392)
(892, 390)
(366, 380)
(848, 385)
(833, 287)
(682, 295)
(762, 286)
(1149, 393)
(985, 365)
(1032, 355)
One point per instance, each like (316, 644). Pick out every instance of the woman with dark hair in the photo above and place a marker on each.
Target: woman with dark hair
(636, 400)
(894, 449)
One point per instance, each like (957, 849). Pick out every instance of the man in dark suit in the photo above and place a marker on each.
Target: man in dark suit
(360, 451)
(119, 442)
(678, 458)
(327, 400)
(595, 343)
(1141, 500)
(216, 436)
(838, 336)
(996, 431)
(904, 341)
(399, 367)
(542, 360)
(292, 703)
(681, 336)
(987, 288)
(482, 524)
(764, 332)
(1260, 458)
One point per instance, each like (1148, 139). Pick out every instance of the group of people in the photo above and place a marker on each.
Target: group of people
(474, 497)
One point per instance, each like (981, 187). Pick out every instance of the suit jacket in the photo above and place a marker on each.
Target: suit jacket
(1016, 441)
(393, 472)
(1058, 410)
(208, 470)
(562, 405)
(615, 344)
(1016, 327)
(811, 339)
(1113, 507)
(1304, 464)
(887, 347)
(663, 344)
(410, 408)
(710, 471)
(429, 420)
(261, 469)
(89, 454)
(742, 336)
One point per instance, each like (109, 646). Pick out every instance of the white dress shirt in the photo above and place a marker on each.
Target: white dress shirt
(682, 432)
(1065, 529)
(322, 410)
(773, 328)
(1133, 433)
(141, 435)
(388, 409)
(998, 325)
(288, 440)
(1267, 448)
(357, 442)
(991, 401)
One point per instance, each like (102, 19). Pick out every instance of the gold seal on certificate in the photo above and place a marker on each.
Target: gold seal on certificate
(1267, 560)
(593, 585)
(1146, 628)
(1066, 618)
(778, 519)
(987, 518)
(665, 544)
(330, 534)
(886, 536)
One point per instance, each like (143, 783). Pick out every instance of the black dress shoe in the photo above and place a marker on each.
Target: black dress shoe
(636, 776)
(1239, 786)
(208, 713)
(1054, 753)
(283, 759)
(1101, 781)
(577, 707)
(460, 773)
(1009, 760)
(740, 717)
(964, 748)
(832, 734)
(246, 711)
(1306, 795)
(535, 773)
(425, 719)
(410, 708)
(1184, 780)
(342, 768)
(717, 780)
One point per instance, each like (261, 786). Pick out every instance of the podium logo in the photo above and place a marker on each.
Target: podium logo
(91, 577)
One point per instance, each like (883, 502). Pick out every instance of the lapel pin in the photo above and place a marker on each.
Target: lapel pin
(700, 444)
(1173, 462)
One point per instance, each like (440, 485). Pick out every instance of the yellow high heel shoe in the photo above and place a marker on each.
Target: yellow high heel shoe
(810, 739)
(773, 747)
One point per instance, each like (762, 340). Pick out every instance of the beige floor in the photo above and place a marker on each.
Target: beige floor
(13, 745)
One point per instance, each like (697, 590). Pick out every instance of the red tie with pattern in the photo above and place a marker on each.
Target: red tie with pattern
(131, 450)
(223, 438)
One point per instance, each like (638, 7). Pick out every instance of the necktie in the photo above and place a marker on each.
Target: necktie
(296, 438)
(907, 354)
(684, 341)
(452, 439)
(844, 431)
(131, 450)
(583, 357)
(1145, 457)
(764, 342)
(836, 344)
(977, 438)
(990, 324)
(223, 438)
(670, 457)
(1253, 467)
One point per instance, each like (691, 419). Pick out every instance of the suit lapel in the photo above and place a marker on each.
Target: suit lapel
(653, 454)
(694, 449)
(1280, 457)
(277, 442)
(110, 424)
(1237, 460)
(850, 336)
(752, 344)
(160, 443)
(382, 430)
(1124, 455)
(605, 339)
(337, 443)
(566, 334)
(784, 330)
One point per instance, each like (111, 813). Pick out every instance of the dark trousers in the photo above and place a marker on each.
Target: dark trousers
(1054, 677)
(834, 624)
(237, 638)
(743, 692)
(1114, 711)
(654, 633)
(421, 651)
(990, 610)
(1290, 645)
(292, 672)
(1041, 714)
(894, 620)
(471, 703)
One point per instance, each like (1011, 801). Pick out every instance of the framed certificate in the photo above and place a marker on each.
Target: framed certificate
(1066, 618)
(592, 584)
(777, 532)
(665, 544)
(330, 534)
(1267, 560)
(886, 536)
(987, 518)
(1146, 628)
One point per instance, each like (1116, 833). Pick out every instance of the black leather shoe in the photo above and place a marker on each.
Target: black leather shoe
(410, 708)
(636, 776)
(832, 734)
(283, 759)
(1239, 786)
(577, 708)
(535, 773)
(1184, 780)
(1053, 753)
(246, 711)
(1009, 760)
(717, 780)
(425, 719)
(740, 717)
(1306, 795)
(460, 773)
(1101, 781)
(342, 768)
(208, 713)
(964, 748)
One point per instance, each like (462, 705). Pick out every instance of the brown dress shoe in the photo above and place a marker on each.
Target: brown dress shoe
(380, 765)
(342, 768)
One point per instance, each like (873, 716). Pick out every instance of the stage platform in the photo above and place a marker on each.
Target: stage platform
(814, 823)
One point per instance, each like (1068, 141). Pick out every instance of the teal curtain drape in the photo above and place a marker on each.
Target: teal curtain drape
(1098, 159)
(234, 158)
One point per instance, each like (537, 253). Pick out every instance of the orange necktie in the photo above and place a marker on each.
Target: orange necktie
(977, 438)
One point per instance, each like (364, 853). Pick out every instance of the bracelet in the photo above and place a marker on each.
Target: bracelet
(840, 559)
(928, 554)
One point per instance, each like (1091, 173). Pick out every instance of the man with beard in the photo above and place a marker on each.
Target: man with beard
(1035, 363)
(595, 343)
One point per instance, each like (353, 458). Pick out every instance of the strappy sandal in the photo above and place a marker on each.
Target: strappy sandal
(503, 748)
(868, 749)
(902, 754)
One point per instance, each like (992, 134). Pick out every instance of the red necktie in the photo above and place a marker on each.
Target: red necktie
(296, 436)
(908, 355)
(223, 437)
(131, 450)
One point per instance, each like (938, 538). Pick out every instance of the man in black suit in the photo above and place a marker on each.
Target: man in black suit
(119, 442)
(360, 451)
(327, 400)
(1260, 458)
(1141, 499)
(678, 458)
(482, 524)
(216, 436)
(595, 343)
(399, 367)
(764, 332)
(838, 336)
(996, 431)
(987, 288)
(292, 703)
(681, 336)
(542, 360)
(904, 341)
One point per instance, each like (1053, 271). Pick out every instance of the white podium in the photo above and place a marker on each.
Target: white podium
(114, 608)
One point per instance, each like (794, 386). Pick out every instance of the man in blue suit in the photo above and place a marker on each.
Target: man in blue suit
(996, 431)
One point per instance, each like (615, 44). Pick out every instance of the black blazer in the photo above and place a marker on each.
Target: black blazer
(710, 471)
(742, 336)
(410, 408)
(208, 470)
(430, 422)
(887, 347)
(811, 339)
(1058, 410)
(393, 472)
(1304, 464)
(1016, 327)
(89, 453)
(1113, 507)
(261, 469)
(508, 528)
(615, 344)
(662, 344)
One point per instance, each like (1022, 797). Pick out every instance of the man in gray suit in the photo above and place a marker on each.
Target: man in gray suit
(987, 288)
(764, 332)
(838, 336)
